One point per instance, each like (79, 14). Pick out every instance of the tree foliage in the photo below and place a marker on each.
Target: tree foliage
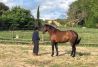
(17, 18)
(3, 8)
(84, 12)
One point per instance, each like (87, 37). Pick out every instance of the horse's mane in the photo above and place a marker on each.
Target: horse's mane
(52, 27)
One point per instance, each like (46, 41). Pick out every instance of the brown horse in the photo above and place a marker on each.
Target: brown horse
(58, 36)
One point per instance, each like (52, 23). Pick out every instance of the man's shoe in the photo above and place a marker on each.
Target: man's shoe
(35, 54)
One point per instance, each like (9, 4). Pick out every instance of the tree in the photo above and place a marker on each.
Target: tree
(38, 24)
(3, 8)
(18, 18)
(84, 12)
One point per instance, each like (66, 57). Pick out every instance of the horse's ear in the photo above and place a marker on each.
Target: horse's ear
(51, 28)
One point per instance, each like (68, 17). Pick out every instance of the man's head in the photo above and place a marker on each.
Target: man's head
(36, 28)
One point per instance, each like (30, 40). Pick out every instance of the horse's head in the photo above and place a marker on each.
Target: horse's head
(47, 27)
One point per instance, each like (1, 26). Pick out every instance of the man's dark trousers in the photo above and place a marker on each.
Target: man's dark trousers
(36, 47)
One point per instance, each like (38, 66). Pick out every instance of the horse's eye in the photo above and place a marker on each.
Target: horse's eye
(50, 28)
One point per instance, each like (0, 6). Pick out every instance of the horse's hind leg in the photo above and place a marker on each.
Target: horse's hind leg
(52, 48)
(56, 47)
(73, 44)
(73, 50)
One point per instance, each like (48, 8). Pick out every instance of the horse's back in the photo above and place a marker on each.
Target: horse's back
(69, 33)
(72, 33)
(63, 36)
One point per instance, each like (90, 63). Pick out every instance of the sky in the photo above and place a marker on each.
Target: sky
(49, 9)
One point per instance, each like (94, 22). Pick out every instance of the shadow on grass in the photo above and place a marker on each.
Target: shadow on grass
(62, 54)
(45, 53)
(77, 53)
(83, 53)
(67, 52)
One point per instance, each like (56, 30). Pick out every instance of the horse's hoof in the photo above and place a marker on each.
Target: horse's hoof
(52, 55)
(57, 55)
(73, 56)
(70, 54)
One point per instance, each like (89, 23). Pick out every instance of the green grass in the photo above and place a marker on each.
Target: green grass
(89, 36)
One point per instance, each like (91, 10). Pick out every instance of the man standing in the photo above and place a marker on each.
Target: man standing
(35, 39)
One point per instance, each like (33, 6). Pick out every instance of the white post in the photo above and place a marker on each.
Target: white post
(17, 36)
(42, 38)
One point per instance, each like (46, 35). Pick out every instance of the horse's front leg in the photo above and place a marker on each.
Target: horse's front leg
(52, 49)
(56, 47)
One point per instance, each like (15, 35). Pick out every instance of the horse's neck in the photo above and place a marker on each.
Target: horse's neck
(50, 33)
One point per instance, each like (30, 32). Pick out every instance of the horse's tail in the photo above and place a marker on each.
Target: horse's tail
(78, 41)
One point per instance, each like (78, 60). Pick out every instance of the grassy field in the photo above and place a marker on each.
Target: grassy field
(14, 54)
(18, 55)
(88, 35)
